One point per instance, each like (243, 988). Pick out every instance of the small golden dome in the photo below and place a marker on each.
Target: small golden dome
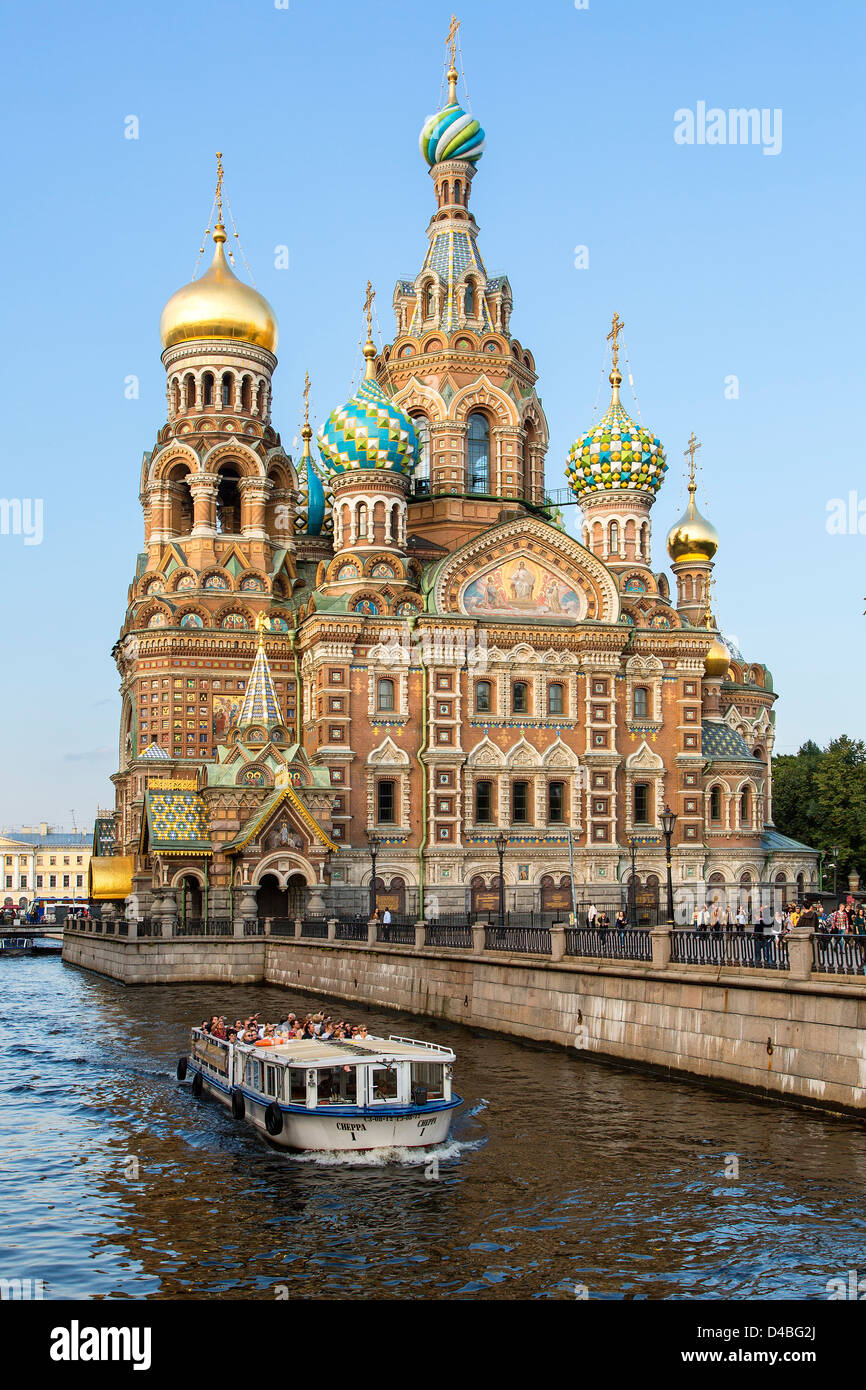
(692, 537)
(717, 659)
(219, 305)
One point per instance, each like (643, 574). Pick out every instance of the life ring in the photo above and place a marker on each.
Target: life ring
(274, 1119)
(238, 1105)
(267, 1042)
(181, 1069)
(197, 1084)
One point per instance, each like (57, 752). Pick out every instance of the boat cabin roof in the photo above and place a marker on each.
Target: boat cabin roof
(307, 1052)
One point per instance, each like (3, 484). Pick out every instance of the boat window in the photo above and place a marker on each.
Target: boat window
(384, 1084)
(337, 1086)
(297, 1086)
(253, 1076)
(272, 1080)
(431, 1077)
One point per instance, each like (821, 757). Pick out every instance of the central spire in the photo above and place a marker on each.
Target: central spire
(260, 704)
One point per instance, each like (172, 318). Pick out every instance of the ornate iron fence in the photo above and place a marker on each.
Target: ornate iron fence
(204, 926)
(747, 948)
(282, 926)
(314, 928)
(839, 954)
(398, 933)
(441, 933)
(610, 943)
(534, 940)
(352, 928)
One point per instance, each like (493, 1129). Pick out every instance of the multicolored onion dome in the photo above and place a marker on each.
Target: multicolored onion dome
(616, 453)
(451, 134)
(368, 431)
(310, 515)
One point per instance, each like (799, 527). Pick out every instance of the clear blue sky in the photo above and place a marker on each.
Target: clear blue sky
(720, 259)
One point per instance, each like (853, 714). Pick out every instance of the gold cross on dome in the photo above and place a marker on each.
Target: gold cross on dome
(306, 398)
(219, 187)
(616, 328)
(368, 309)
(262, 624)
(689, 452)
(451, 40)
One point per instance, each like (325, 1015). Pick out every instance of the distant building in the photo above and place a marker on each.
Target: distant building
(42, 862)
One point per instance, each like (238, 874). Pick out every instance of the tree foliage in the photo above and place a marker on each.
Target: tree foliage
(819, 797)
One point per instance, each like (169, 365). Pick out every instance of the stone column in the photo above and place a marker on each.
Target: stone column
(557, 941)
(420, 929)
(169, 911)
(332, 928)
(478, 939)
(247, 908)
(371, 932)
(660, 938)
(203, 487)
(800, 954)
(254, 496)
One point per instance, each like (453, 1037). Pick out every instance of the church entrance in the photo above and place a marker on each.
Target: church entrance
(296, 893)
(273, 900)
(189, 899)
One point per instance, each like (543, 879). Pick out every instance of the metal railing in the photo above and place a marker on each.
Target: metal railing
(351, 929)
(282, 926)
(314, 928)
(534, 940)
(744, 948)
(455, 935)
(835, 953)
(611, 943)
(398, 933)
(204, 926)
(256, 928)
(149, 926)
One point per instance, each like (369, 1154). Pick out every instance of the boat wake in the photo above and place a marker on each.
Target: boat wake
(401, 1157)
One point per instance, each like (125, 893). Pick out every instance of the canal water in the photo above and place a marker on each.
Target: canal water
(563, 1177)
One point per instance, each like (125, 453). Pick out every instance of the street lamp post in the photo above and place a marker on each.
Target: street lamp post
(632, 845)
(373, 841)
(501, 842)
(669, 820)
(835, 867)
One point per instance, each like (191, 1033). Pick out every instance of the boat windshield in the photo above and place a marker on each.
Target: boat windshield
(337, 1086)
(429, 1077)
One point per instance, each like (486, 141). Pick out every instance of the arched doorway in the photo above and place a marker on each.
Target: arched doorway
(556, 897)
(296, 892)
(484, 899)
(273, 900)
(189, 899)
(392, 898)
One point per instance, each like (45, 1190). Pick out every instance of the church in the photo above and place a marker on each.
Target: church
(385, 668)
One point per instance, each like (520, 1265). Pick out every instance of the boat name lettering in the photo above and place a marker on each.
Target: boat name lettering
(353, 1127)
(423, 1124)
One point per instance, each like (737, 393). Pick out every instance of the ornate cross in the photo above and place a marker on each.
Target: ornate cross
(616, 328)
(306, 398)
(219, 187)
(689, 453)
(451, 40)
(262, 624)
(368, 309)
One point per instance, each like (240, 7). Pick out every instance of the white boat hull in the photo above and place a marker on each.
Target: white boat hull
(313, 1131)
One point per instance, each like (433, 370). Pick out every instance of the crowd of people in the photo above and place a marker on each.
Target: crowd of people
(847, 918)
(319, 1027)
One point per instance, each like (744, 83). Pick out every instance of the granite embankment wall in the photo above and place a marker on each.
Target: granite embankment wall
(801, 1039)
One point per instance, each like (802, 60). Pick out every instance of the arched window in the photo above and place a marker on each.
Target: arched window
(469, 300)
(457, 190)
(428, 301)
(715, 803)
(745, 808)
(175, 396)
(362, 521)
(641, 702)
(478, 453)
(421, 476)
(261, 399)
(555, 699)
(644, 541)
(207, 388)
(519, 697)
(483, 802)
(228, 507)
(228, 387)
(385, 802)
(189, 390)
(613, 538)
(483, 697)
(556, 802)
(385, 695)
(247, 394)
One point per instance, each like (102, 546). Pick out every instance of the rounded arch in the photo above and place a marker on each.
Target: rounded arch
(174, 453)
(233, 452)
(483, 395)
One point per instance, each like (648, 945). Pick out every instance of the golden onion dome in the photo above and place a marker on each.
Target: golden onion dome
(692, 537)
(717, 659)
(219, 305)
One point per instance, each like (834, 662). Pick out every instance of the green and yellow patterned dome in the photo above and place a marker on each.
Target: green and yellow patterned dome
(615, 453)
(451, 133)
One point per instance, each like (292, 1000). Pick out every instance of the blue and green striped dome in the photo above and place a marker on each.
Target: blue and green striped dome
(368, 432)
(451, 134)
(615, 453)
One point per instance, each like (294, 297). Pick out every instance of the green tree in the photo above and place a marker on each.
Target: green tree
(819, 797)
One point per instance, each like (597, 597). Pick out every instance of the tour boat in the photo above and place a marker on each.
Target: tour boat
(306, 1095)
